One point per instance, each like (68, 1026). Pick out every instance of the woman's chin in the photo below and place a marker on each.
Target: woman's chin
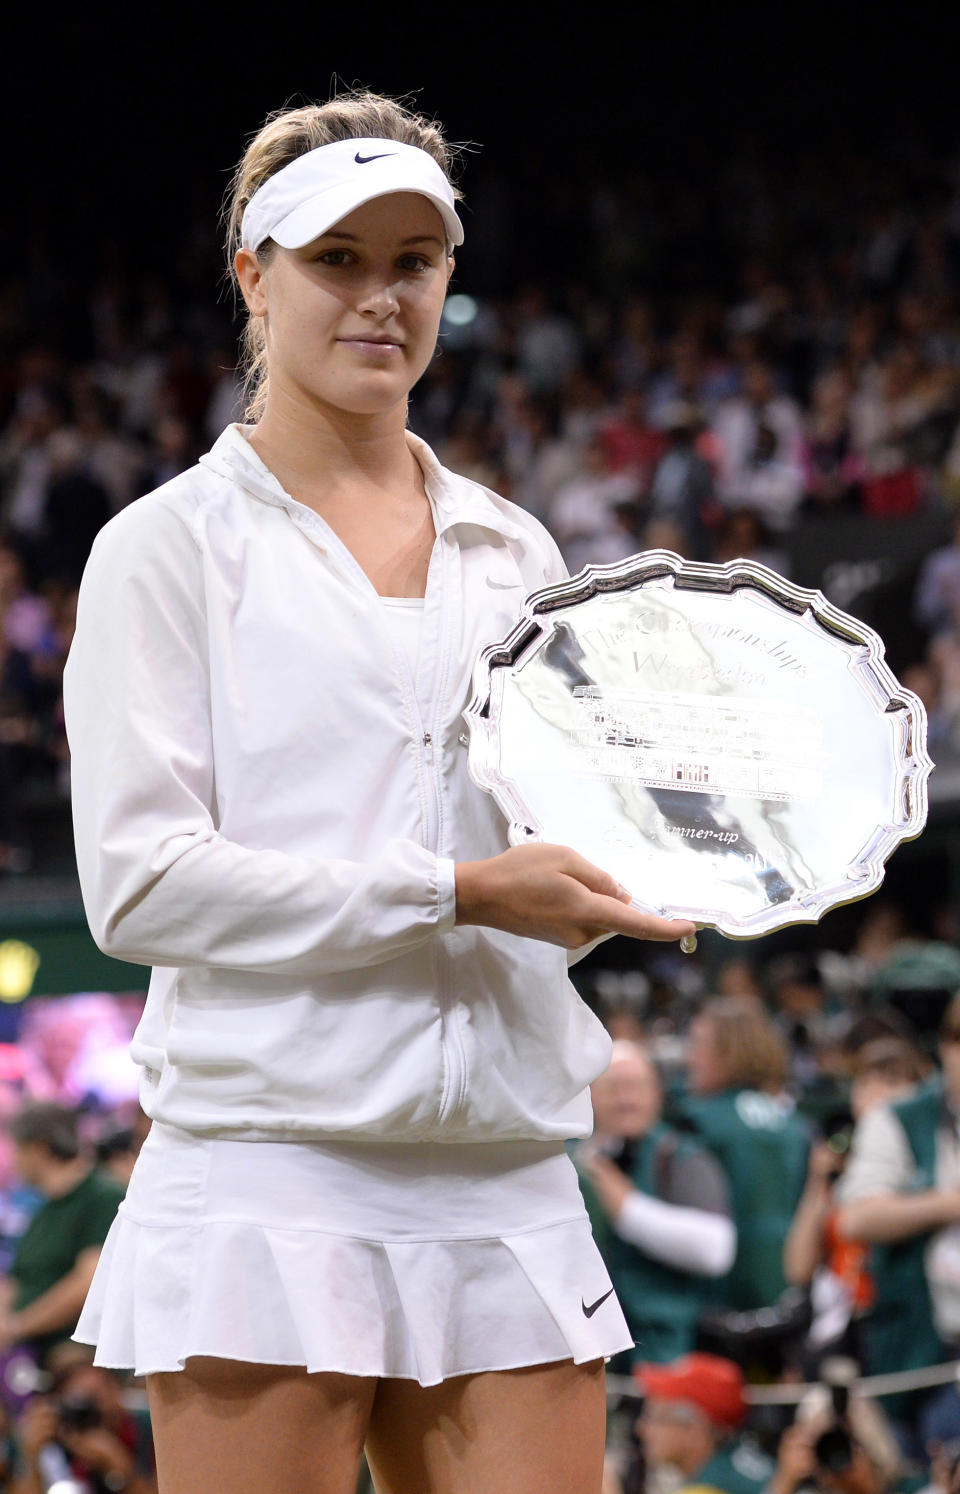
(372, 397)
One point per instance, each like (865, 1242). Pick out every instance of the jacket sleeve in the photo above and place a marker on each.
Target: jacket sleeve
(160, 884)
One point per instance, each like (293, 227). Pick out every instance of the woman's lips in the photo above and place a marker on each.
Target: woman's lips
(372, 349)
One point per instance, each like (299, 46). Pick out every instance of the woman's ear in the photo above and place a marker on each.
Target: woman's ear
(250, 278)
(451, 266)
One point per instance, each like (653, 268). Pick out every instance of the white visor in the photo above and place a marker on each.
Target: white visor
(302, 200)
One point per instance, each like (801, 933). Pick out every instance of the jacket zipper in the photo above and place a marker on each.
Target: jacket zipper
(451, 1044)
(455, 1065)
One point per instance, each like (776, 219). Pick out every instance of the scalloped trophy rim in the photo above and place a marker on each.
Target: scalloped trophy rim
(868, 664)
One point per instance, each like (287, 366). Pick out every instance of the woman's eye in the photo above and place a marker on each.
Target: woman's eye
(334, 257)
(415, 262)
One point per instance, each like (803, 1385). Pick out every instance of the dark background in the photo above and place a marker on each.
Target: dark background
(122, 125)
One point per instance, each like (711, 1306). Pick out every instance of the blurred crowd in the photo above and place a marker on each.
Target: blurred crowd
(774, 1183)
(706, 366)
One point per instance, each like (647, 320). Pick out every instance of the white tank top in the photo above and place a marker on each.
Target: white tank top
(407, 615)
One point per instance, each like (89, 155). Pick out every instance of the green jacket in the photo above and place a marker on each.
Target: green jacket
(899, 1334)
(735, 1468)
(661, 1305)
(762, 1146)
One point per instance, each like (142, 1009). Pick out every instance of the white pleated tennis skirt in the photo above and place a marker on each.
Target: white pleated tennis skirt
(412, 1261)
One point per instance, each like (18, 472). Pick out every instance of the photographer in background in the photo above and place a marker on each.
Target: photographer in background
(840, 1442)
(900, 1193)
(816, 1254)
(737, 1107)
(659, 1206)
(84, 1419)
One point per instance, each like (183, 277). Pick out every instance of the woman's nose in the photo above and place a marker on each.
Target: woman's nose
(378, 298)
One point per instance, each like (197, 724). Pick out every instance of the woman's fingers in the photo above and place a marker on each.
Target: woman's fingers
(592, 877)
(553, 893)
(639, 925)
(611, 911)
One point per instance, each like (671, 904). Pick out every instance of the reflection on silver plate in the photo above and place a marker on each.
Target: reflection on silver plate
(731, 747)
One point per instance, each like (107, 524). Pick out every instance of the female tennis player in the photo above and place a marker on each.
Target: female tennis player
(354, 1220)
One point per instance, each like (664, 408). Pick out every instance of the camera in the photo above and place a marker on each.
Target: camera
(834, 1448)
(79, 1413)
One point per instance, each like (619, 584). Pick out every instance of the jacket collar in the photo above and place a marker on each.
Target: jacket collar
(456, 499)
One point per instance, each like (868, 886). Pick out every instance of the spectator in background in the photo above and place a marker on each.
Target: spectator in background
(681, 489)
(630, 442)
(659, 1205)
(936, 602)
(859, 1457)
(547, 342)
(692, 1413)
(742, 535)
(900, 1194)
(25, 462)
(537, 460)
(802, 1010)
(24, 615)
(111, 459)
(736, 1106)
(117, 1152)
(57, 1256)
(760, 437)
(75, 507)
(832, 467)
(590, 515)
(169, 452)
(816, 1254)
(888, 414)
(83, 1415)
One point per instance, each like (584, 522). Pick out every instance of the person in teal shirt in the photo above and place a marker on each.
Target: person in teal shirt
(737, 1107)
(659, 1205)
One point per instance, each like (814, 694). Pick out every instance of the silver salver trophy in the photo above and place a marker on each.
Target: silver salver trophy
(731, 747)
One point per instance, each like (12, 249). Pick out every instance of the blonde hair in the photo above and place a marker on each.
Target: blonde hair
(748, 1044)
(289, 133)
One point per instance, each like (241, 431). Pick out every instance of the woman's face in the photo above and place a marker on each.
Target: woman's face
(351, 319)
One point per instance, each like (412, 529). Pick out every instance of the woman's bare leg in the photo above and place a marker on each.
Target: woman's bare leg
(222, 1425)
(538, 1430)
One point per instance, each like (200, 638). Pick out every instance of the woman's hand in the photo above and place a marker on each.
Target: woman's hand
(551, 893)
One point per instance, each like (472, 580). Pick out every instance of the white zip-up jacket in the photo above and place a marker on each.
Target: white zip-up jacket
(265, 814)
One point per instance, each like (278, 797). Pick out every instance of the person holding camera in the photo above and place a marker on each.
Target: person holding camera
(736, 1106)
(816, 1254)
(82, 1426)
(900, 1194)
(659, 1204)
(839, 1443)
